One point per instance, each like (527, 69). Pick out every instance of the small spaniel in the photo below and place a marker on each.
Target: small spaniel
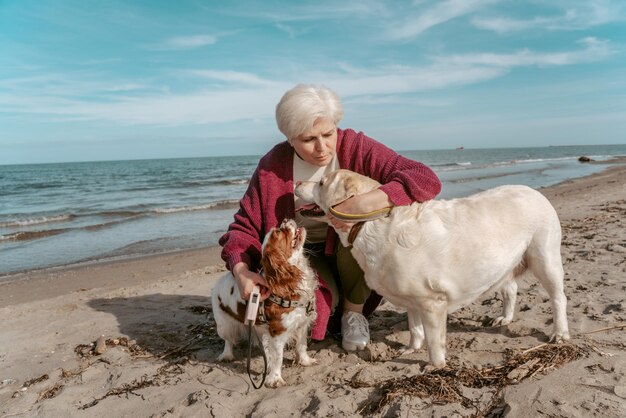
(286, 315)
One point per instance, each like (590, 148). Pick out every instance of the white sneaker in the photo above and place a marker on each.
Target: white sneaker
(355, 330)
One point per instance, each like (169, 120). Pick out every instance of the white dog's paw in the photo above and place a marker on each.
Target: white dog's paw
(500, 321)
(414, 345)
(307, 361)
(431, 367)
(275, 383)
(225, 357)
(408, 350)
(559, 337)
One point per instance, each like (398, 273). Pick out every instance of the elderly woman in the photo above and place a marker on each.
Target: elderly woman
(308, 116)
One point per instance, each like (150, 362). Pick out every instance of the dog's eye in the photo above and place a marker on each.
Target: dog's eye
(321, 182)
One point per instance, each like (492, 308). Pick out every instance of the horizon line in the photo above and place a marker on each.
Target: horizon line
(460, 149)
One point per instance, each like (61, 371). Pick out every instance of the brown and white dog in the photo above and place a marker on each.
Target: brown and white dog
(289, 312)
(435, 257)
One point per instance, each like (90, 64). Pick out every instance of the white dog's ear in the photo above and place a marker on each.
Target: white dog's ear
(351, 186)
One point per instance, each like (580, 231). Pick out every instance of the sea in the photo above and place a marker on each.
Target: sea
(68, 213)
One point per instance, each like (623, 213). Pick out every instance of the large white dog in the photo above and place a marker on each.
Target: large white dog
(435, 257)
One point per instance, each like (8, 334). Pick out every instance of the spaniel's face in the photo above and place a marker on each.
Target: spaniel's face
(287, 239)
(282, 254)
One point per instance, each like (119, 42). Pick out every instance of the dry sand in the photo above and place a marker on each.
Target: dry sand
(161, 349)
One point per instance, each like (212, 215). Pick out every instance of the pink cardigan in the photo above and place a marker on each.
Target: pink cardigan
(269, 198)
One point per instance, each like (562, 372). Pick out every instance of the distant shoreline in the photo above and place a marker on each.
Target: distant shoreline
(453, 148)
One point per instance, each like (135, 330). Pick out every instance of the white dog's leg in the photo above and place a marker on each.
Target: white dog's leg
(302, 357)
(550, 274)
(433, 313)
(509, 296)
(229, 331)
(227, 354)
(416, 330)
(274, 348)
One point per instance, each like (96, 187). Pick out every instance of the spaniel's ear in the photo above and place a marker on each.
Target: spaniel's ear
(281, 276)
(272, 259)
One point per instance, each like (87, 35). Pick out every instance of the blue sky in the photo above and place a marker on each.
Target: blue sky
(98, 80)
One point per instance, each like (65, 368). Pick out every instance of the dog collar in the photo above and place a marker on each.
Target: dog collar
(354, 231)
(355, 217)
(286, 303)
(359, 218)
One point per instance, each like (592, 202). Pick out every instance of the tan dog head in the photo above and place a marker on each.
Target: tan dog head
(333, 189)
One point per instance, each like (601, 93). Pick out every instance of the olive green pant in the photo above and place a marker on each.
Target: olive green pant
(341, 273)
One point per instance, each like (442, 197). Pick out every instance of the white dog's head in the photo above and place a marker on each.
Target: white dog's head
(331, 190)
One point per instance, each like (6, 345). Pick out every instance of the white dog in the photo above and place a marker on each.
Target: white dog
(289, 311)
(435, 257)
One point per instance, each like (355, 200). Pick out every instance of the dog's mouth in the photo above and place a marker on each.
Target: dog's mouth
(298, 238)
(311, 211)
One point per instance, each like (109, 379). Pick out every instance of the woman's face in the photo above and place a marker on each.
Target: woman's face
(318, 145)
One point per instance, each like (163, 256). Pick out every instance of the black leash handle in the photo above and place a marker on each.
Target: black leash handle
(264, 374)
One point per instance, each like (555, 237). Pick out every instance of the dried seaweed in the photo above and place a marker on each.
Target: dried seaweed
(67, 374)
(163, 375)
(445, 385)
(50, 392)
(199, 309)
(31, 382)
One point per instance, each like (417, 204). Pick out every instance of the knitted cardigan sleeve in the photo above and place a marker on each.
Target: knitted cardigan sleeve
(405, 181)
(242, 241)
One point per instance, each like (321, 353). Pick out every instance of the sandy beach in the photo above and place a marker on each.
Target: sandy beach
(159, 347)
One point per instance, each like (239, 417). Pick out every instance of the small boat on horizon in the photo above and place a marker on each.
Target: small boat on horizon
(461, 147)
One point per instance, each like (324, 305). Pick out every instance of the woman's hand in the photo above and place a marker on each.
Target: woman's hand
(246, 280)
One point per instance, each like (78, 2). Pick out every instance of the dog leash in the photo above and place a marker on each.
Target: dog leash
(264, 374)
(254, 302)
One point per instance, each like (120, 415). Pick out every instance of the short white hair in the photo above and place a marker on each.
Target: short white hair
(301, 106)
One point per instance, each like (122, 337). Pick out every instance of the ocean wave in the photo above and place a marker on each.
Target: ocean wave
(37, 221)
(126, 216)
(474, 166)
(542, 160)
(217, 182)
(222, 204)
(43, 233)
(458, 164)
(491, 176)
(113, 213)
(30, 235)
(234, 181)
(42, 185)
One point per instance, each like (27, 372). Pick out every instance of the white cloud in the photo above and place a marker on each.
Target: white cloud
(371, 100)
(232, 95)
(290, 30)
(303, 11)
(594, 50)
(575, 15)
(245, 96)
(232, 77)
(189, 42)
(503, 24)
(439, 13)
